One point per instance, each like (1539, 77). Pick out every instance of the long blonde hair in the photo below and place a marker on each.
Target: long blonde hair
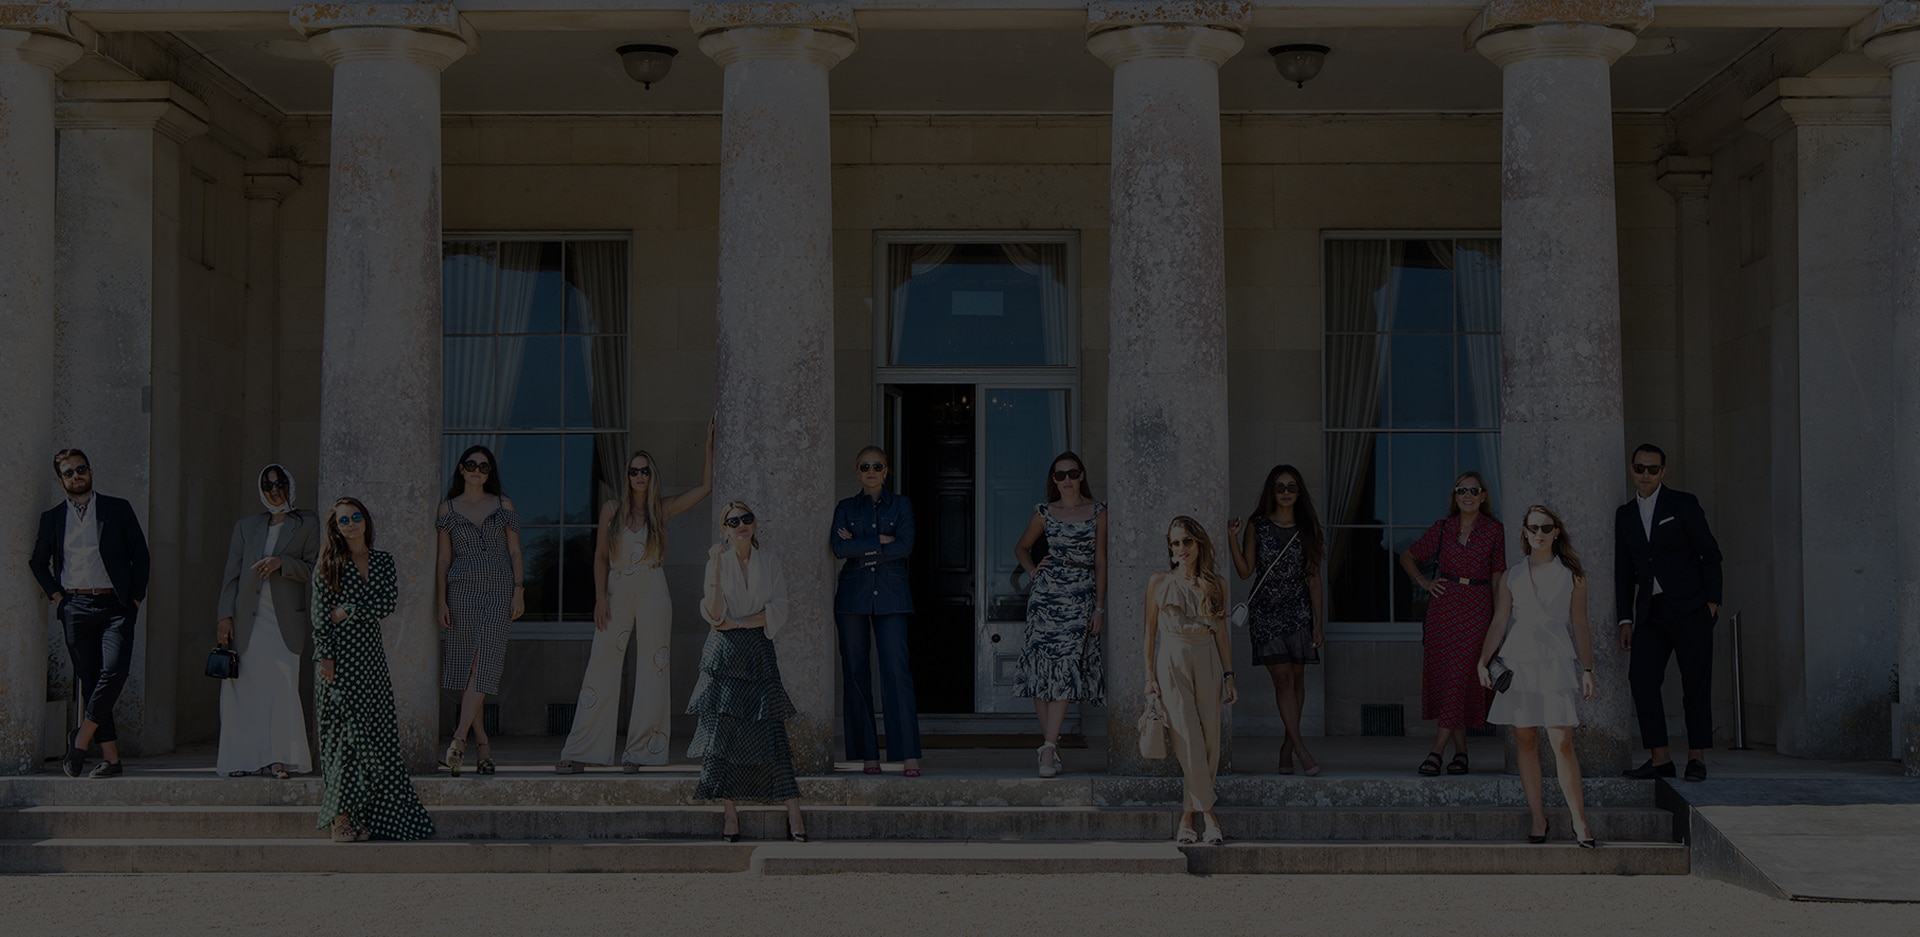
(656, 520)
(740, 506)
(1213, 586)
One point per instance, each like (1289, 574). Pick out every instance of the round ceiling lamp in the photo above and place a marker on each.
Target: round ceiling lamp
(1299, 62)
(646, 63)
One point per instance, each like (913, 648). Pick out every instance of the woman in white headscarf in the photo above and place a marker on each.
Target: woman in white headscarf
(263, 616)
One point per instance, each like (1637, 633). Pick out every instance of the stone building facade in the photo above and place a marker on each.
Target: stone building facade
(1516, 236)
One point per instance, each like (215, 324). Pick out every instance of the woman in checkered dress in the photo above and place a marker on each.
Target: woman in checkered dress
(479, 573)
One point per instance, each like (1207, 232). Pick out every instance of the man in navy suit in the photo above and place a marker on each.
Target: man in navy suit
(1666, 580)
(91, 560)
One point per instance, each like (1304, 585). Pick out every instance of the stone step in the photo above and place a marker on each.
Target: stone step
(1643, 824)
(323, 855)
(611, 788)
(970, 858)
(1561, 857)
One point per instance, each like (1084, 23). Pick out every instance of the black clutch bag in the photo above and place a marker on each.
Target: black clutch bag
(223, 663)
(1501, 674)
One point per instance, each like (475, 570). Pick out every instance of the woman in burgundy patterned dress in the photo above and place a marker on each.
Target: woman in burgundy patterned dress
(1470, 547)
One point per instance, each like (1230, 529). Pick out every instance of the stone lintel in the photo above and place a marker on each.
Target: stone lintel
(1506, 15)
(312, 19)
(160, 106)
(1686, 176)
(1826, 101)
(1235, 16)
(720, 16)
(272, 179)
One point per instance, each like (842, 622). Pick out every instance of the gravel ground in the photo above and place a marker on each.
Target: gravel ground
(890, 905)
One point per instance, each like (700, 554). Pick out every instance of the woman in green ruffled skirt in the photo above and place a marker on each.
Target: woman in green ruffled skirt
(741, 738)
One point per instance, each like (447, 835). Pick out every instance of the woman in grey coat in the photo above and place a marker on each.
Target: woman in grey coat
(263, 615)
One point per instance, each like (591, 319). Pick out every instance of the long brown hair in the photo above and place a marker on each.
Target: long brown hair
(334, 552)
(1086, 477)
(1213, 586)
(656, 519)
(1312, 539)
(1562, 545)
(1486, 495)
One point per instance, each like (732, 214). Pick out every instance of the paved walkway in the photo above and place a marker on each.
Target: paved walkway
(1813, 838)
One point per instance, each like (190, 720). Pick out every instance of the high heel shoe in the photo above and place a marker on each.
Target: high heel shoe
(1286, 757)
(1542, 837)
(1589, 843)
(486, 765)
(794, 837)
(732, 837)
(1049, 768)
(1213, 836)
(342, 829)
(456, 750)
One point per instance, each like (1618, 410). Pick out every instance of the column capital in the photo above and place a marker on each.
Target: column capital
(160, 106)
(1686, 176)
(1124, 30)
(428, 33)
(1503, 15)
(1890, 35)
(1827, 101)
(270, 180)
(38, 34)
(1555, 40)
(737, 30)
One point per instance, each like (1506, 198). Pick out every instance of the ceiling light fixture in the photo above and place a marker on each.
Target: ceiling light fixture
(1299, 62)
(646, 63)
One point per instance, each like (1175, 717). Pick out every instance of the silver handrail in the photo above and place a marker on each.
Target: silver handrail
(1739, 691)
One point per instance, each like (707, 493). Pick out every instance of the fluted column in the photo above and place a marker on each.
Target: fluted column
(380, 405)
(1897, 46)
(1167, 356)
(269, 182)
(774, 398)
(28, 61)
(1562, 439)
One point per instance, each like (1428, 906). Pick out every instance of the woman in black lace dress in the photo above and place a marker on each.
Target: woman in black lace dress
(1281, 546)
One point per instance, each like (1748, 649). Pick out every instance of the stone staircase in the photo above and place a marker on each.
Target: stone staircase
(606, 822)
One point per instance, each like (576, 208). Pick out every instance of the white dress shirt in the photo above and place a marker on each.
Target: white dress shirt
(1646, 520)
(81, 567)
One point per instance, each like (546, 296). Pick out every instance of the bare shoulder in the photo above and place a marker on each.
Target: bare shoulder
(506, 502)
(608, 509)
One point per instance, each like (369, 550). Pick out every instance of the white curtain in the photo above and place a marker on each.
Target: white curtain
(598, 272)
(1047, 262)
(904, 262)
(468, 273)
(519, 286)
(1476, 277)
(1361, 291)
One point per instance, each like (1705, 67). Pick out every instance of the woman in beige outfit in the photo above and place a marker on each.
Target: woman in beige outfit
(1189, 664)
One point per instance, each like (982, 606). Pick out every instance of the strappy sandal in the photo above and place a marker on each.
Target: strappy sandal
(342, 829)
(486, 765)
(569, 767)
(1459, 763)
(238, 774)
(456, 750)
(1049, 768)
(1213, 836)
(280, 772)
(1431, 767)
(1186, 836)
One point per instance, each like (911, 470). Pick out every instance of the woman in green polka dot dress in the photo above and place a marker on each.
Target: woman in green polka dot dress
(367, 791)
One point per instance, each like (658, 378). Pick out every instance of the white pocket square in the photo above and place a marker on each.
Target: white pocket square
(1663, 521)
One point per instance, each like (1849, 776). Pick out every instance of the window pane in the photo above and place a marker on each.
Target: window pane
(540, 551)
(1422, 289)
(1357, 575)
(1480, 452)
(577, 574)
(529, 393)
(466, 286)
(1355, 463)
(1421, 382)
(596, 286)
(1476, 279)
(1356, 381)
(467, 383)
(979, 304)
(1422, 477)
(580, 472)
(530, 475)
(1406, 597)
(596, 370)
(1479, 381)
(530, 286)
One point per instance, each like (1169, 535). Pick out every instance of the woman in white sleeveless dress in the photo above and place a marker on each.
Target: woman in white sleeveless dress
(1547, 597)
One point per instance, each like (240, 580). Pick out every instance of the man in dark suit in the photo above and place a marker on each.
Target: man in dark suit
(1666, 580)
(91, 560)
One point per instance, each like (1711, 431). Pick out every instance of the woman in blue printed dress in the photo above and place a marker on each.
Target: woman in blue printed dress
(1066, 610)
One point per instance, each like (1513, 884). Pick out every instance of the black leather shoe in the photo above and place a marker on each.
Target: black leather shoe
(76, 758)
(1696, 770)
(106, 769)
(1649, 770)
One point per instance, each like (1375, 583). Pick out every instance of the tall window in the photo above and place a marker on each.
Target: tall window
(983, 303)
(1413, 399)
(535, 368)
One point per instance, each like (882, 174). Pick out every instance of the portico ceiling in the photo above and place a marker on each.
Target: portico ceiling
(1408, 69)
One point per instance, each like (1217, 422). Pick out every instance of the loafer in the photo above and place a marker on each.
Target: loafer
(75, 761)
(106, 769)
(1649, 770)
(1696, 770)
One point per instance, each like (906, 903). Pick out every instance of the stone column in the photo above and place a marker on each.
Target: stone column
(774, 399)
(269, 181)
(1167, 356)
(29, 58)
(380, 404)
(1897, 47)
(117, 359)
(1833, 415)
(1561, 434)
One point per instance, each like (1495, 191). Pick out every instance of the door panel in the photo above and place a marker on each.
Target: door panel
(1019, 430)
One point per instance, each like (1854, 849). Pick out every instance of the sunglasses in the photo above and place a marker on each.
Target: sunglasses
(1181, 543)
(1286, 488)
(637, 470)
(76, 470)
(1061, 476)
(739, 520)
(1641, 468)
(273, 485)
(1541, 528)
(483, 468)
(348, 520)
(872, 466)
(1469, 490)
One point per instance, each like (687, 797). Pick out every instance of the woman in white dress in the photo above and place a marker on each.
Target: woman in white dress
(1548, 601)
(263, 616)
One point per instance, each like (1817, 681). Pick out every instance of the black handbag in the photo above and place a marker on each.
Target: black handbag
(1500, 673)
(223, 663)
